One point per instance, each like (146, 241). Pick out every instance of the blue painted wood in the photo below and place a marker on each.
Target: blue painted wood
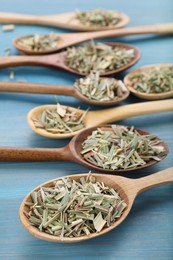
(148, 231)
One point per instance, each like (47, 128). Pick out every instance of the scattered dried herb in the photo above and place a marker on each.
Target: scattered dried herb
(153, 80)
(61, 120)
(11, 75)
(70, 208)
(100, 18)
(118, 147)
(39, 42)
(97, 56)
(101, 89)
(8, 27)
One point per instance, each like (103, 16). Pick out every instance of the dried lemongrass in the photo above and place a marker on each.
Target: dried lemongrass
(153, 80)
(61, 120)
(99, 18)
(8, 27)
(101, 89)
(70, 208)
(38, 42)
(97, 56)
(119, 147)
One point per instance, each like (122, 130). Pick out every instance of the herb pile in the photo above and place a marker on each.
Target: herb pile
(100, 18)
(61, 120)
(100, 89)
(39, 42)
(118, 147)
(154, 80)
(70, 208)
(97, 56)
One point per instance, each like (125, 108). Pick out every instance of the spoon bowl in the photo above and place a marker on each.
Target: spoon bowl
(58, 61)
(127, 188)
(95, 118)
(57, 90)
(64, 20)
(149, 96)
(72, 152)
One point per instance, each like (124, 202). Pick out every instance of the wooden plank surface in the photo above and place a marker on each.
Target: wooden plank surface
(148, 231)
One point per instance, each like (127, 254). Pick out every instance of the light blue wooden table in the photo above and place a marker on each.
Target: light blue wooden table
(148, 231)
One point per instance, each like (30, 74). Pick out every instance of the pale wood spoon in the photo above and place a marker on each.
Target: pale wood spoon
(58, 60)
(95, 118)
(56, 90)
(68, 39)
(149, 96)
(70, 152)
(128, 190)
(64, 20)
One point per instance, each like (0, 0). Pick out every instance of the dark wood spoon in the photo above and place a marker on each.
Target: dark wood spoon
(58, 60)
(71, 152)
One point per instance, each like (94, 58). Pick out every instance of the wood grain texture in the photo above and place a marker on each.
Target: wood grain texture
(147, 233)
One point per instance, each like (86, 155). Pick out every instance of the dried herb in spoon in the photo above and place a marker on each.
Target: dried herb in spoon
(70, 208)
(118, 147)
(39, 42)
(62, 120)
(97, 56)
(153, 80)
(100, 18)
(101, 89)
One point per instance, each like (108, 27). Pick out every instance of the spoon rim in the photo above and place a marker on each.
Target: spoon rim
(42, 235)
(147, 96)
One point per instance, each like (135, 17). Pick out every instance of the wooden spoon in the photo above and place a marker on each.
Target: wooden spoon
(127, 188)
(68, 39)
(56, 90)
(95, 118)
(71, 152)
(58, 60)
(150, 96)
(65, 20)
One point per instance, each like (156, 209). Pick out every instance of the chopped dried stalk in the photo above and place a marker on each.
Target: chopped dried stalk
(60, 121)
(153, 80)
(119, 147)
(39, 42)
(12, 75)
(100, 18)
(97, 56)
(8, 27)
(72, 208)
(101, 89)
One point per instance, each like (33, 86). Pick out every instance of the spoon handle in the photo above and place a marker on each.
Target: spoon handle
(36, 88)
(35, 154)
(119, 113)
(154, 180)
(22, 19)
(43, 60)
(165, 28)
